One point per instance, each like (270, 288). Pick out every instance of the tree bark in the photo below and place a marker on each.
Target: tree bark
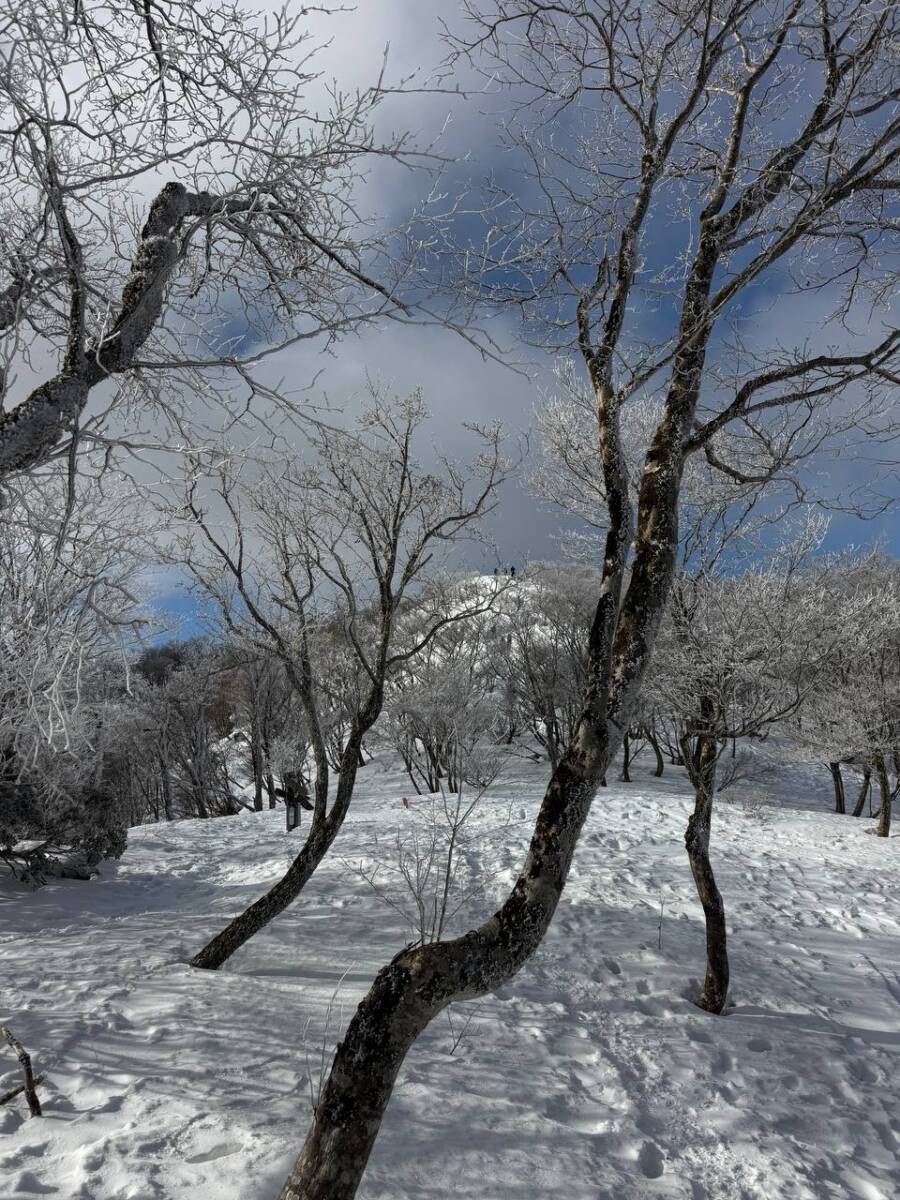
(323, 830)
(887, 798)
(863, 792)
(657, 751)
(625, 776)
(412, 989)
(838, 780)
(256, 763)
(702, 767)
(18, 1090)
(417, 984)
(30, 432)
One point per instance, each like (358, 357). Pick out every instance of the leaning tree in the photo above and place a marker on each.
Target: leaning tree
(763, 137)
(179, 201)
(340, 545)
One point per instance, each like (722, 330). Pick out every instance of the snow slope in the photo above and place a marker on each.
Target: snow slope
(592, 1075)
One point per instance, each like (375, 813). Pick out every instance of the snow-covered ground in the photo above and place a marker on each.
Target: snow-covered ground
(591, 1076)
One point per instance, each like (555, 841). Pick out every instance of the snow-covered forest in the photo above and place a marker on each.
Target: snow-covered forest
(449, 600)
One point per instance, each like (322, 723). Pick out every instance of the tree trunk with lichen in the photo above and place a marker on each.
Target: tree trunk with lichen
(412, 989)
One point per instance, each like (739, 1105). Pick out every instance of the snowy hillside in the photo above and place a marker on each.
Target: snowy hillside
(591, 1076)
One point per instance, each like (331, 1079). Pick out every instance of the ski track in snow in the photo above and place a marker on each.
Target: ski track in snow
(591, 1075)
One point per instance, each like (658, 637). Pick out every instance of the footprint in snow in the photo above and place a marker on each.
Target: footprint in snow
(759, 1045)
(723, 1063)
(29, 1185)
(696, 1033)
(651, 1160)
(214, 1152)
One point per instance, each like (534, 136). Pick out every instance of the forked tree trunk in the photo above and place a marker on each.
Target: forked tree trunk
(863, 792)
(702, 768)
(838, 780)
(412, 989)
(657, 751)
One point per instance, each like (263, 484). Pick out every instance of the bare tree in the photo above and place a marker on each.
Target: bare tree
(442, 705)
(854, 712)
(738, 656)
(263, 712)
(70, 555)
(697, 105)
(343, 543)
(421, 874)
(541, 650)
(170, 299)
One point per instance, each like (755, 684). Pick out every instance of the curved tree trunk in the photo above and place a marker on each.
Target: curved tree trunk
(274, 902)
(838, 779)
(657, 751)
(323, 830)
(417, 984)
(412, 989)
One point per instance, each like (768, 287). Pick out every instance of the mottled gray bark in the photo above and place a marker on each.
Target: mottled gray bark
(412, 989)
(32, 430)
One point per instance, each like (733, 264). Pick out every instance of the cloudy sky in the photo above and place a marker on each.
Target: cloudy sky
(458, 384)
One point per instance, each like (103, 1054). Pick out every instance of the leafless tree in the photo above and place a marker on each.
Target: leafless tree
(854, 712)
(421, 874)
(771, 132)
(178, 192)
(442, 712)
(344, 542)
(739, 655)
(541, 650)
(70, 560)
